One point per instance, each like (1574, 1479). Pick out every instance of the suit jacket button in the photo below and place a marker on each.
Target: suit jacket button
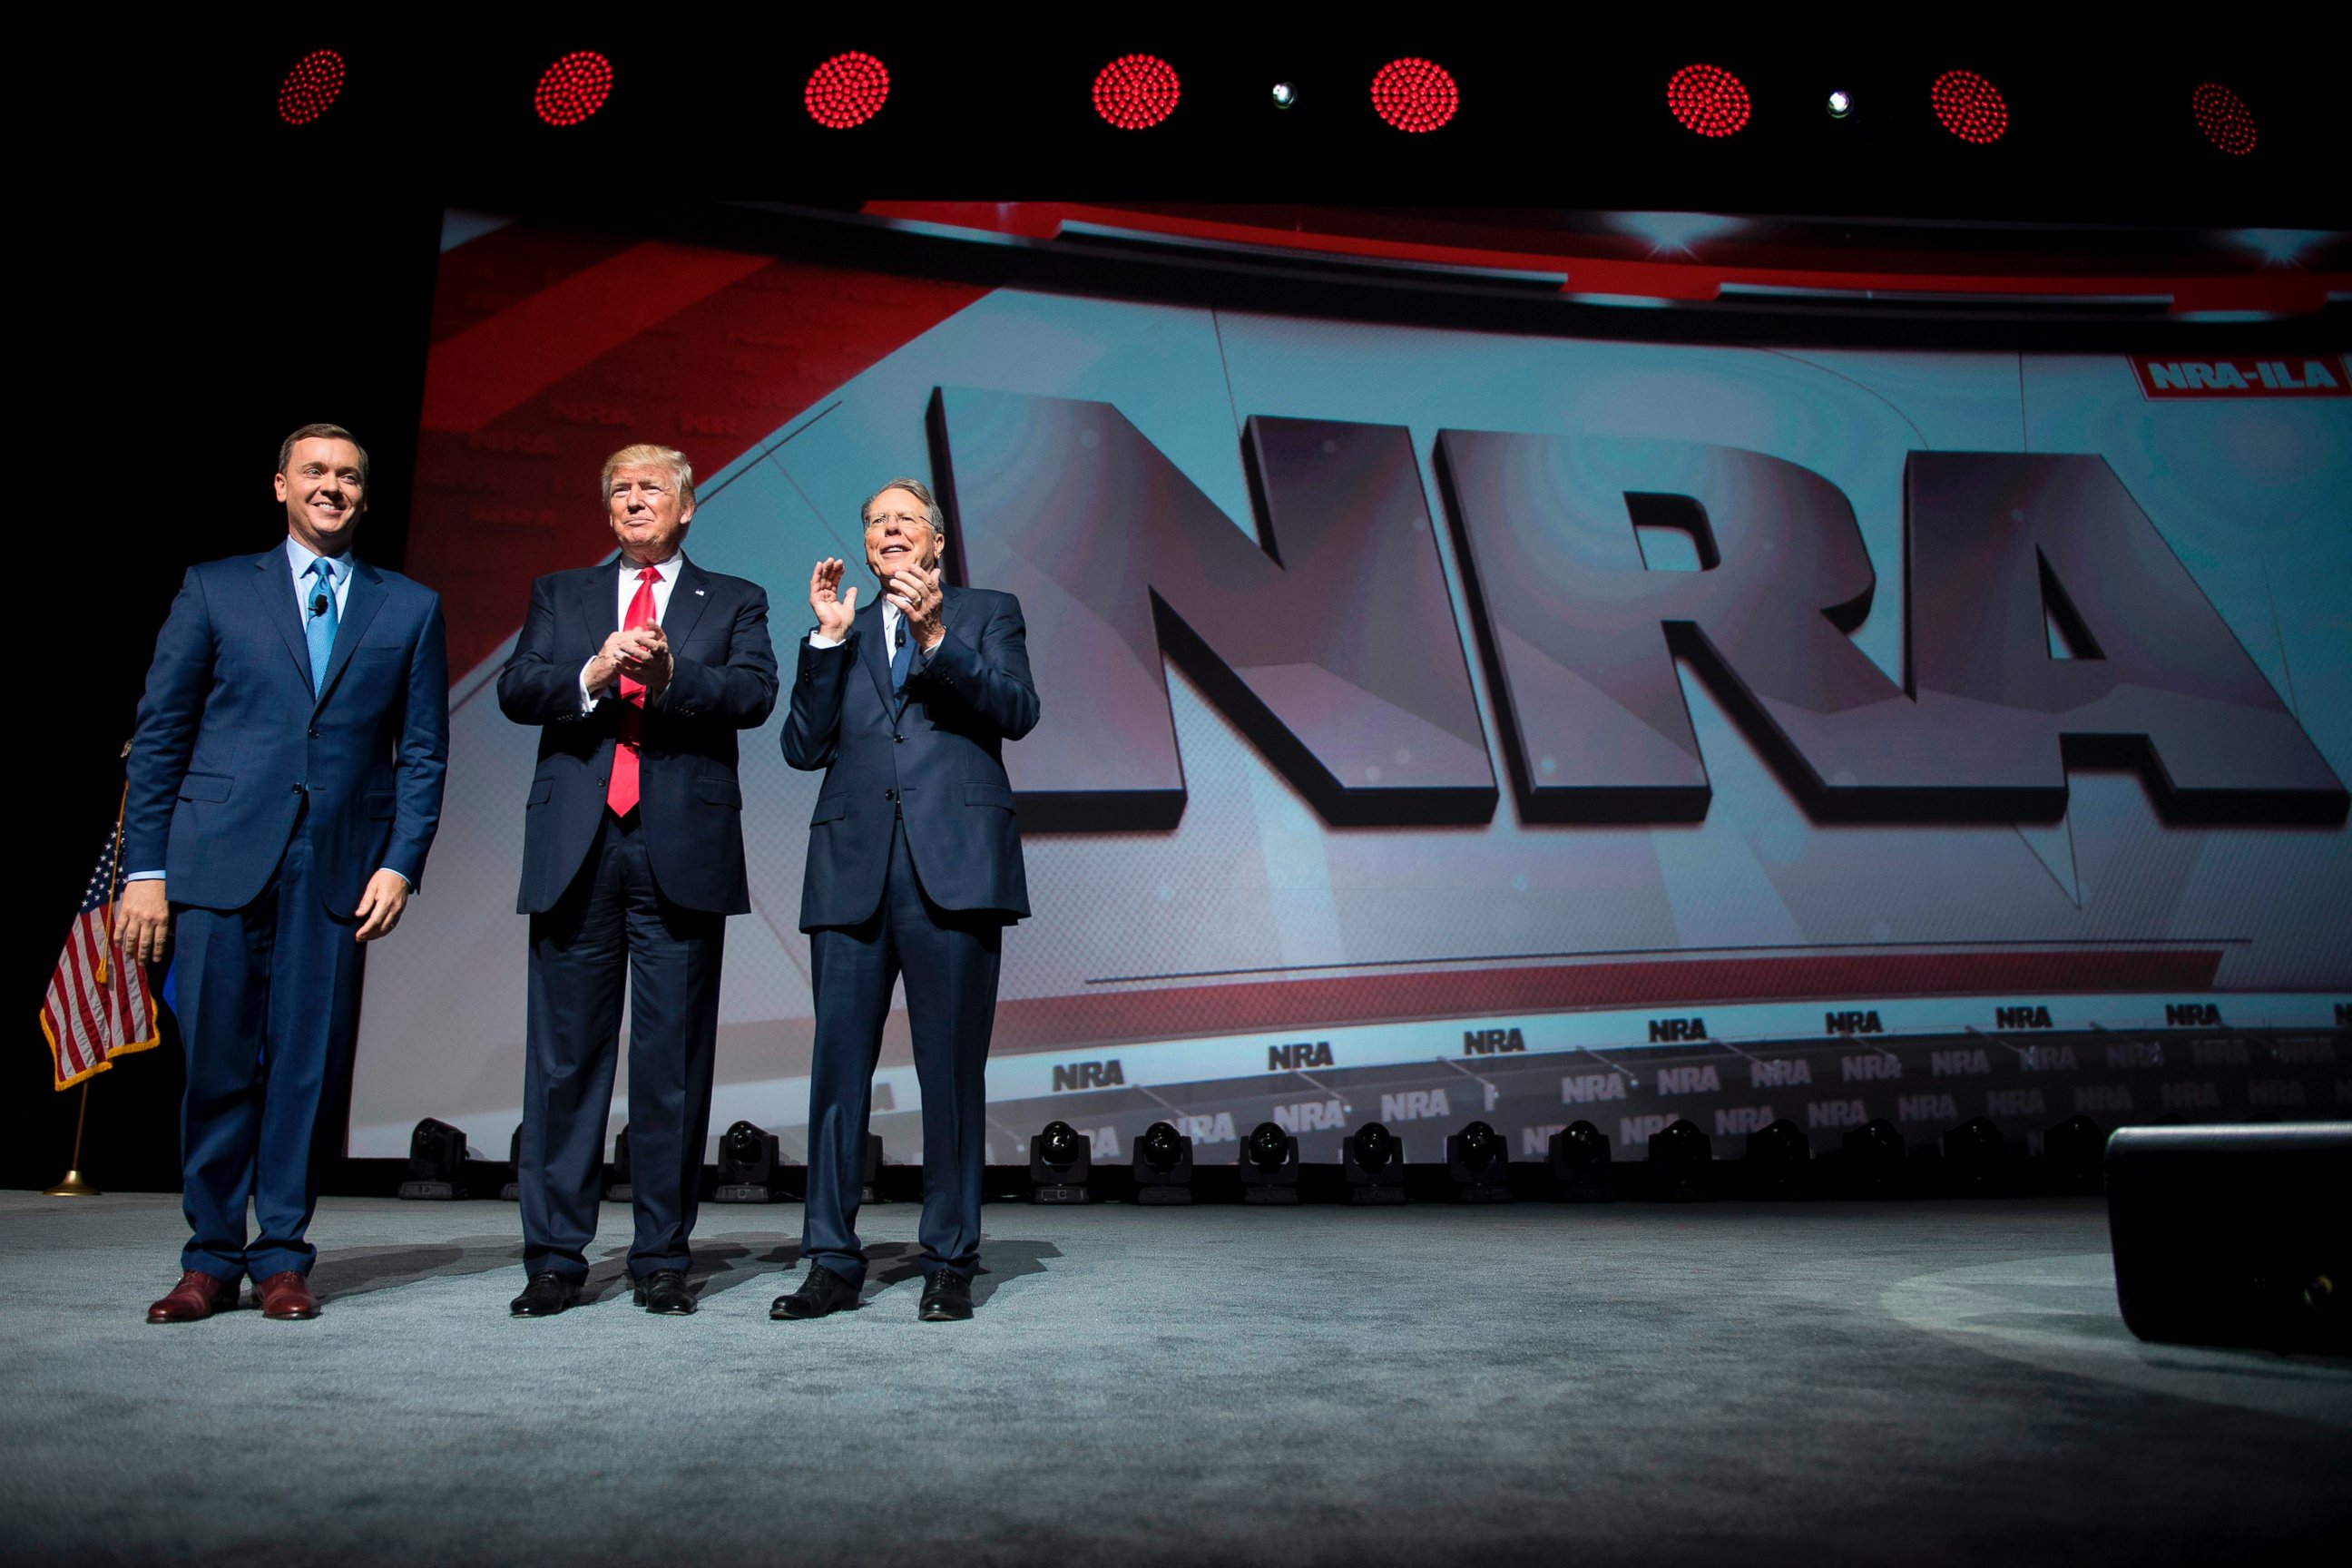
(889, 794)
(900, 739)
(314, 731)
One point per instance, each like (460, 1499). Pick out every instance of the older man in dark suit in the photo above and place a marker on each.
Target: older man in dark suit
(914, 869)
(639, 672)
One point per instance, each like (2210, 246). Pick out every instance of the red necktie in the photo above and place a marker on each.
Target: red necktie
(621, 794)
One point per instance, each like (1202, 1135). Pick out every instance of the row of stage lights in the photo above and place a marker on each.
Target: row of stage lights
(1975, 1157)
(1138, 91)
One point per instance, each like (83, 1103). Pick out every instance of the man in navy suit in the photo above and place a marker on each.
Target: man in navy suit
(638, 672)
(285, 785)
(914, 869)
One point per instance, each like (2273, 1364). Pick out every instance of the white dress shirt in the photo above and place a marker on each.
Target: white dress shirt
(891, 619)
(626, 592)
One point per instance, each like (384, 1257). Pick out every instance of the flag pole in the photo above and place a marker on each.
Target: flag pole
(73, 1184)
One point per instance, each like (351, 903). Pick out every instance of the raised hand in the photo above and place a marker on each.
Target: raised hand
(835, 607)
(918, 595)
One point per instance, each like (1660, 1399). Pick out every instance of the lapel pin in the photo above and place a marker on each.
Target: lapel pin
(697, 593)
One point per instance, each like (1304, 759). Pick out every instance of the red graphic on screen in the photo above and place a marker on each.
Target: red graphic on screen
(2292, 376)
(2224, 117)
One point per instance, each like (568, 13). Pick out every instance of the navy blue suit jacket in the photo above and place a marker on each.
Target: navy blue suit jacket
(690, 802)
(230, 738)
(939, 762)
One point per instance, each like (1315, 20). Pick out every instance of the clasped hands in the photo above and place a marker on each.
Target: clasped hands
(916, 592)
(641, 653)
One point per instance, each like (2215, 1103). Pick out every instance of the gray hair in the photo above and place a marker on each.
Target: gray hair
(921, 491)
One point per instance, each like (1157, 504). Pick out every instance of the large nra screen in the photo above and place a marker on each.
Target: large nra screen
(1444, 722)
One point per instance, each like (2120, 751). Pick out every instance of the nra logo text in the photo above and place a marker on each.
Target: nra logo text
(2021, 1017)
(1688, 1080)
(2135, 1054)
(2307, 1053)
(1489, 1042)
(1535, 1142)
(2222, 1053)
(1298, 1053)
(2047, 1058)
(2192, 1097)
(2014, 1102)
(1742, 1119)
(1310, 1116)
(1088, 1074)
(2109, 1096)
(1415, 1105)
(2274, 1091)
(2191, 1015)
(1217, 1127)
(1635, 1131)
(1836, 1113)
(1958, 1064)
(1875, 1067)
(1664, 1030)
(1852, 1022)
(1940, 1108)
(2300, 376)
(1779, 1074)
(1584, 1088)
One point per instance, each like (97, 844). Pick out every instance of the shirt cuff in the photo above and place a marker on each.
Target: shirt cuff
(818, 639)
(402, 875)
(588, 699)
(142, 876)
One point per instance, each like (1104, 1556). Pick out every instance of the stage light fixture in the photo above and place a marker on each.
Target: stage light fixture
(1374, 1162)
(749, 1161)
(1972, 1155)
(2224, 117)
(1707, 100)
(1060, 1159)
(1679, 1157)
(1135, 93)
(1284, 95)
(846, 91)
(1970, 107)
(1840, 104)
(1414, 94)
(1579, 1165)
(574, 88)
(869, 1188)
(617, 1187)
(437, 1162)
(1478, 1163)
(2074, 1154)
(310, 88)
(1269, 1165)
(1164, 1165)
(1873, 1155)
(1780, 1157)
(511, 1191)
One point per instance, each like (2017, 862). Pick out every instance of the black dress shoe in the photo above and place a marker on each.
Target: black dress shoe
(823, 1292)
(546, 1295)
(946, 1298)
(664, 1291)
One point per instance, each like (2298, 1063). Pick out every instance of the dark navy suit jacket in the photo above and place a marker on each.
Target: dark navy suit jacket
(690, 802)
(939, 762)
(231, 741)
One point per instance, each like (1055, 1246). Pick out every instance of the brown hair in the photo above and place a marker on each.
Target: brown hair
(321, 433)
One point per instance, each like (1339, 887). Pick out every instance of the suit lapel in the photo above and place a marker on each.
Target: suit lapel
(361, 603)
(873, 655)
(281, 605)
(598, 605)
(688, 597)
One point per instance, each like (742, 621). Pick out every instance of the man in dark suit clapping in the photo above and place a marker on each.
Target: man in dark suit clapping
(639, 673)
(914, 869)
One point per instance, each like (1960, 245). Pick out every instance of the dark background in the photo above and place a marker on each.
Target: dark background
(205, 278)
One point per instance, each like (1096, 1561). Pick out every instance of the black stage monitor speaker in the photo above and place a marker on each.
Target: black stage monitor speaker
(2234, 1235)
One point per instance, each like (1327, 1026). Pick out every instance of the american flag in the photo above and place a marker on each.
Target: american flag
(96, 1007)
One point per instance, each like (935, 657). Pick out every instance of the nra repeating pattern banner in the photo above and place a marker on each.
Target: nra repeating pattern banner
(1441, 724)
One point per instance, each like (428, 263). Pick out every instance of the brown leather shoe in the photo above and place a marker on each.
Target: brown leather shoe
(286, 1297)
(196, 1297)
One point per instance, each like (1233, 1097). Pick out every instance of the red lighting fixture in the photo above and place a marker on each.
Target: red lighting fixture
(2224, 117)
(1413, 94)
(848, 91)
(309, 88)
(574, 88)
(1971, 107)
(1707, 100)
(1135, 93)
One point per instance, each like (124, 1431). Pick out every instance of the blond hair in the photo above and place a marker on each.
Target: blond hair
(648, 455)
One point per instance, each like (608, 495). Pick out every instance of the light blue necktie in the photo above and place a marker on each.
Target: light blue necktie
(899, 658)
(319, 622)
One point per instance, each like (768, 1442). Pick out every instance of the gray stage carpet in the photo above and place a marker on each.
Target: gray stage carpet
(1727, 1384)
